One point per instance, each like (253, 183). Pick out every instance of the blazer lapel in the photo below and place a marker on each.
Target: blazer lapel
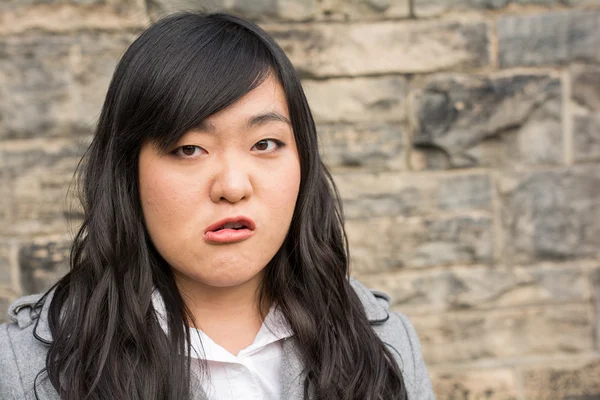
(292, 372)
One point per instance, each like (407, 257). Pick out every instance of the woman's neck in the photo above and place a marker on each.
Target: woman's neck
(230, 316)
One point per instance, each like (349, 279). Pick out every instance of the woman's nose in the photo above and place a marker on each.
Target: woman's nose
(231, 182)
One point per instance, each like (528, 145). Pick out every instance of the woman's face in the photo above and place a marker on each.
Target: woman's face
(219, 205)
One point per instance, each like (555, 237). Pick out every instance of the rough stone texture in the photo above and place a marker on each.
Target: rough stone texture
(506, 333)
(481, 287)
(291, 10)
(86, 15)
(401, 194)
(372, 146)
(465, 192)
(384, 244)
(549, 38)
(462, 115)
(357, 99)
(488, 384)
(384, 47)
(428, 8)
(4, 303)
(585, 92)
(576, 382)
(551, 214)
(5, 267)
(344, 10)
(55, 85)
(37, 176)
(585, 86)
(43, 262)
(586, 138)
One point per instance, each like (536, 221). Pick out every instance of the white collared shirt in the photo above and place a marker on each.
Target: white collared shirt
(253, 374)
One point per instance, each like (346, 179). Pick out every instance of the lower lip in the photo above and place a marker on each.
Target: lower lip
(225, 236)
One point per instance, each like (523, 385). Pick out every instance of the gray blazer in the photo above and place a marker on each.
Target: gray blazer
(24, 344)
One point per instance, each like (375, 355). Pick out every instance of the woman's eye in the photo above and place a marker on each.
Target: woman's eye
(267, 145)
(188, 151)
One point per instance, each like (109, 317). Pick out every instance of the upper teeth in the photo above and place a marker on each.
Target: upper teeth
(233, 225)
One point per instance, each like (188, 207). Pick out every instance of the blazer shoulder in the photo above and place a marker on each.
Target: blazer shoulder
(397, 332)
(22, 355)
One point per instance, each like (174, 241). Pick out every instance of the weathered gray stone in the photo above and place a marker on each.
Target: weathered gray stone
(345, 10)
(488, 384)
(42, 262)
(577, 381)
(428, 8)
(585, 87)
(384, 47)
(4, 303)
(64, 17)
(5, 264)
(37, 175)
(383, 194)
(550, 38)
(464, 116)
(457, 240)
(373, 146)
(95, 59)
(291, 10)
(471, 192)
(586, 138)
(386, 244)
(551, 215)
(480, 287)
(34, 87)
(55, 86)
(261, 10)
(504, 334)
(386, 194)
(357, 99)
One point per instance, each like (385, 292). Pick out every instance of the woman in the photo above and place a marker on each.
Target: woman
(212, 262)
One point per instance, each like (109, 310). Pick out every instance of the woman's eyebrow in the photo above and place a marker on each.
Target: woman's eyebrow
(253, 121)
(272, 116)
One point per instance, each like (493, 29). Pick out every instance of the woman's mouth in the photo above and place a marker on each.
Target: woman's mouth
(230, 230)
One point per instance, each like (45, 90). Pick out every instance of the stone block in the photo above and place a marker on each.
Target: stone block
(481, 287)
(65, 16)
(586, 138)
(429, 8)
(321, 50)
(55, 85)
(376, 146)
(352, 10)
(576, 381)
(4, 303)
(42, 262)
(551, 215)
(465, 192)
(488, 384)
(387, 244)
(489, 121)
(357, 99)
(5, 264)
(504, 334)
(381, 194)
(549, 38)
(35, 177)
(585, 86)
(34, 87)
(291, 10)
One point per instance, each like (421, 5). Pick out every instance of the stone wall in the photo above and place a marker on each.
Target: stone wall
(464, 136)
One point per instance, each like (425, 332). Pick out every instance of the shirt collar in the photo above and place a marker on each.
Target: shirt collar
(275, 327)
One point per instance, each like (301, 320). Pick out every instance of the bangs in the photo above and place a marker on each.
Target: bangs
(186, 69)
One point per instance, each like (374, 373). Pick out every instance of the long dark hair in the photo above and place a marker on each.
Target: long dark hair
(108, 342)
